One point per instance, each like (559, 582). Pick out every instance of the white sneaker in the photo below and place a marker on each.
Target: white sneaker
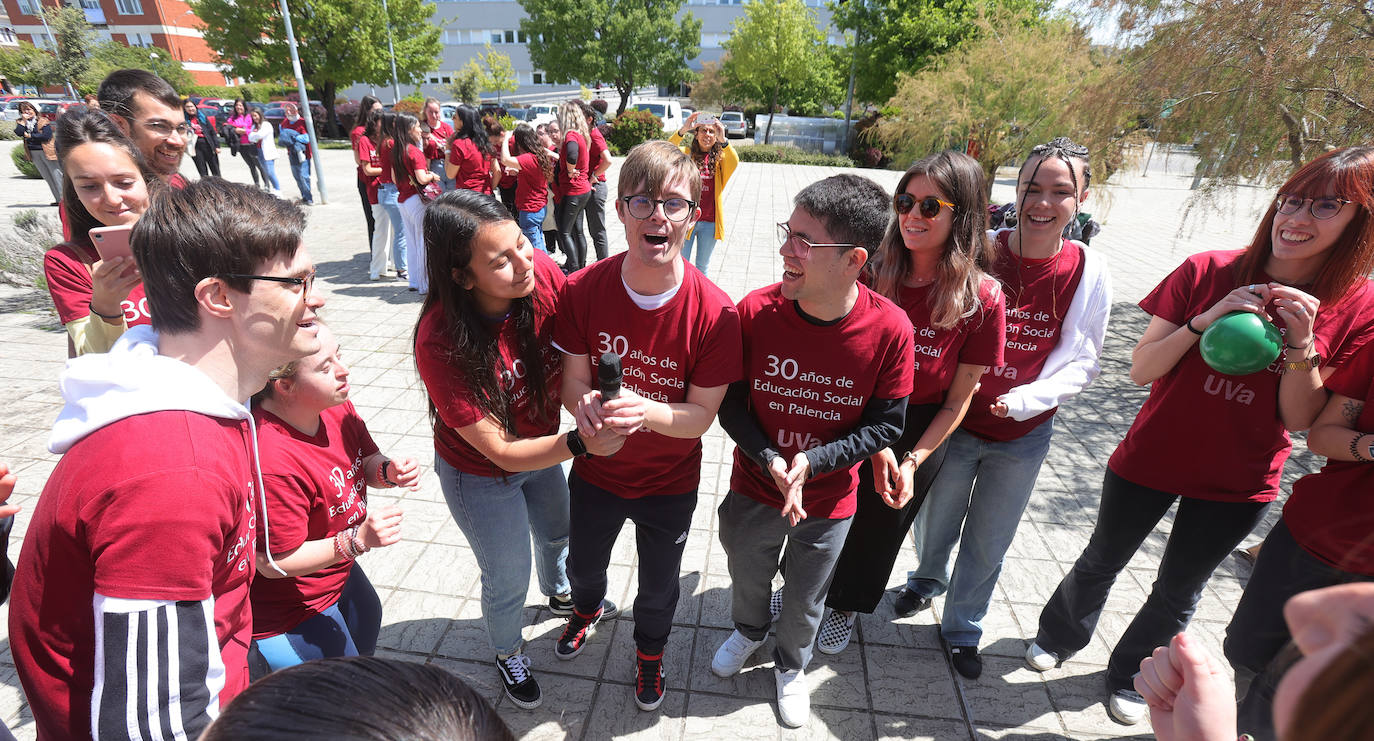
(1039, 659)
(836, 629)
(1127, 706)
(732, 654)
(794, 698)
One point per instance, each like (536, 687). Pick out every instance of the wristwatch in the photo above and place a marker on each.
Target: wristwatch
(575, 444)
(1302, 366)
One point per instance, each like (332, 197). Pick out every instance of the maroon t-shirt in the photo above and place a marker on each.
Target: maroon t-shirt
(976, 340)
(434, 143)
(707, 201)
(384, 157)
(314, 486)
(531, 187)
(67, 269)
(694, 339)
(474, 167)
(299, 128)
(576, 186)
(1207, 435)
(405, 181)
(455, 400)
(599, 152)
(808, 385)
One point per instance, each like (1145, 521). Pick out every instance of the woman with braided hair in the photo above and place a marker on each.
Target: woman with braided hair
(716, 161)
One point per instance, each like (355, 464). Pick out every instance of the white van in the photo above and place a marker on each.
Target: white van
(668, 110)
(540, 113)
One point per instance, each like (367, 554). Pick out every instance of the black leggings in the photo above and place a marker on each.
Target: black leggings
(249, 153)
(571, 238)
(367, 210)
(206, 159)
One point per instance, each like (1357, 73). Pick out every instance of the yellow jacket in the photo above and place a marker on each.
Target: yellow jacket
(724, 169)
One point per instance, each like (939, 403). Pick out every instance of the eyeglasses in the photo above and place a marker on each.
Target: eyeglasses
(902, 203)
(674, 209)
(1320, 208)
(307, 282)
(164, 129)
(800, 246)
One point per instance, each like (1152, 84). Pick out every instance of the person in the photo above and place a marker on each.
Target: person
(359, 698)
(1215, 442)
(265, 150)
(311, 598)
(571, 185)
(716, 161)
(1324, 693)
(599, 162)
(505, 187)
(549, 138)
(299, 152)
(411, 174)
(206, 148)
(387, 194)
(144, 530)
(367, 189)
(483, 347)
(149, 111)
(37, 132)
(794, 480)
(472, 162)
(241, 125)
(1058, 296)
(678, 338)
(533, 165)
(930, 264)
(369, 169)
(438, 138)
(91, 100)
(107, 184)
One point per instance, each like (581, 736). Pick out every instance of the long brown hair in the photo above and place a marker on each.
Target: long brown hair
(1347, 173)
(960, 271)
(528, 143)
(401, 143)
(1335, 706)
(93, 126)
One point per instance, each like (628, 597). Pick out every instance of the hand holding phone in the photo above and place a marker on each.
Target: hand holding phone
(112, 241)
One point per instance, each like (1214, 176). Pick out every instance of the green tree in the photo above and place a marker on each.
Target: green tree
(896, 36)
(624, 42)
(340, 42)
(74, 38)
(109, 56)
(26, 64)
(775, 43)
(500, 74)
(709, 89)
(468, 83)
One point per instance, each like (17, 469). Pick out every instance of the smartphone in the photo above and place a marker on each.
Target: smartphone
(112, 241)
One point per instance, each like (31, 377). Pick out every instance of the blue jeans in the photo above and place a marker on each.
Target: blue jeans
(386, 195)
(300, 170)
(499, 517)
(982, 490)
(532, 226)
(703, 236)
(269, 172)
(348, 628)
(437, 167)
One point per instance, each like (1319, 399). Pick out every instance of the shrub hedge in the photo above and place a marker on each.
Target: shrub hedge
(632, 128)
(22, 163)
(781, 155)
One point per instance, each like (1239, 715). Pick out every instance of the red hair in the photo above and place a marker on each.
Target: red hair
(1346, 173)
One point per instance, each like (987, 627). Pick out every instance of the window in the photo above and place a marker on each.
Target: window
(7, 35)
(510, 37)
(28, 7)
(129, 7)
(495, 37)
(434, 81)
(520, 35)
(446, 80)
(537, 78)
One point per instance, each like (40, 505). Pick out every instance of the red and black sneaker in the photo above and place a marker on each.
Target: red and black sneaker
(648, 680)
(575, 634)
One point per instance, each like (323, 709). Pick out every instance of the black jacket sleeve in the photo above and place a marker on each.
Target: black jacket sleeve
(879, 427)
(740, 425)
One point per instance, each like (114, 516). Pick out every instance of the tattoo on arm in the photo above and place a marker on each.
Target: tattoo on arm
(1352, 410)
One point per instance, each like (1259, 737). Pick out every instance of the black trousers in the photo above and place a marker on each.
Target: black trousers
(367, 211)
(661, 527)
(571, 238)
(878, 531)
(206, 159)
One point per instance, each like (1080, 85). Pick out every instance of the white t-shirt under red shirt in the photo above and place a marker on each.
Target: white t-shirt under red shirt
(1207, 435)
(314, 487)
(692, 340)
(809, 383)
(976, 340)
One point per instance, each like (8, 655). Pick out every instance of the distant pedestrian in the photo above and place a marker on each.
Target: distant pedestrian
(472, 163)
(572, 186)
(412, 175)
(260, 140)
(599, 163)
(437, 141)
(366, 184)
(298, 153)
(533, 165)
(241, 125)
(716, 160)
(205, 152)
(36, 131)
(387, 193)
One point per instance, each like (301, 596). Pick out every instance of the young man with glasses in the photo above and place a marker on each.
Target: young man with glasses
(803, 419)
(678, 339)
(130, 613)
(149, 111)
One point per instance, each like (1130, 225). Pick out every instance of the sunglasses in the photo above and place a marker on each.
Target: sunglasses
(1320, 208)
(929, 206)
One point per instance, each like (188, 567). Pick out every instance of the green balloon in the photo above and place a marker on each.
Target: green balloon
(1240, 343)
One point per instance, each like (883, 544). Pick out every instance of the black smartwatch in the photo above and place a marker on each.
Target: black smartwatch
(575, 444)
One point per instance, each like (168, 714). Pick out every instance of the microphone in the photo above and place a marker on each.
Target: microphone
(608, 376)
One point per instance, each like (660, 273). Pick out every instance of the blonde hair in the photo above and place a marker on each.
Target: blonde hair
(571, 118)
(652, 165)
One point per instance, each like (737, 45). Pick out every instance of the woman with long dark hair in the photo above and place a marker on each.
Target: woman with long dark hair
(369, 168)
(472, 161)
(1212, 442)
(388, 195)
(572, 186)
(533, 165)
(241, 125)
(367, 190)
(484, 349)
(716, 160)
(411, 173)
(205, 151)
(505, 186)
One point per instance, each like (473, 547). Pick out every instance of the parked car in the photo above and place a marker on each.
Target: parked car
(540, 113)
(53, 109)
(668, 110)
(735, 127)
(11, 109)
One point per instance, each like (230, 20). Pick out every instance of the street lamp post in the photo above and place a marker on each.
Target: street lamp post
(305, 99)
(71, 91)
(391, 50)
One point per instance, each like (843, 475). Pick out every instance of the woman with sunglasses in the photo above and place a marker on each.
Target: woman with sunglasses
(1058, 296)
(930, 264)
(716, 160)
(1217, 443)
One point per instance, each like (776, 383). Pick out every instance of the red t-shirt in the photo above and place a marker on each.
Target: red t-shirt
(707, 201)
(456, 402)
(368, 152)
(1331, 513)
(314, 487)
(434, 143)
(1207, 435)
(157, 506)
(405, 181)
(576, 186)
(384, 157)
(67, 268)
(531, 187)
(976, 340)
(805, 388)
(1037, 295)
(298, 127)
(694, 339)
(474, 167)
(599, 150)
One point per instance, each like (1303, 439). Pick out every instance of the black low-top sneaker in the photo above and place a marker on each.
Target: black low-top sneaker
(909, 603)
(966, 661)
(561, 607)
(521, 687)
(575, 634)
(649, 676)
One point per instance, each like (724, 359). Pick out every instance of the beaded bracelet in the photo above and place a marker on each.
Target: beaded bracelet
(339, 547)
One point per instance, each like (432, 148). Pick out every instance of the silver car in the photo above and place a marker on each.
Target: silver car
(733, 121)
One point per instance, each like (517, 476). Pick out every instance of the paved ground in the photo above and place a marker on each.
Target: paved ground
(893, 682)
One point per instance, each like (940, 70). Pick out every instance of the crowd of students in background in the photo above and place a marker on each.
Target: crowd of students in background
(203, 376)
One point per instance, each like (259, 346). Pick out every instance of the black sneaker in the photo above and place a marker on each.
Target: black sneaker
(909, 603)
(648, 680)
(575, 634)
(966, 661)
(561, 607)
(521, 687)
